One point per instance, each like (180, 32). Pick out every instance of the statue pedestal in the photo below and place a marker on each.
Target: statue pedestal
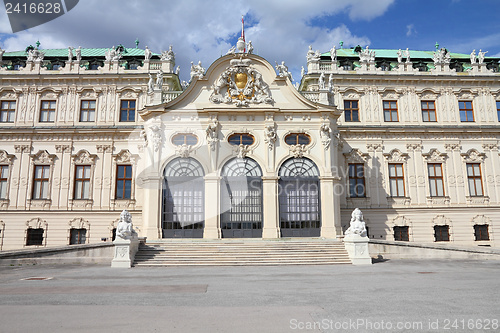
(357, 247)
(125, 250)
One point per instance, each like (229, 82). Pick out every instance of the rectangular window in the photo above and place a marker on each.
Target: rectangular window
(4, 178)
(127, 111)
(436, 183)
(428, 111)
(82, 182)
(481, 232)
(391, 111)
(474, 178)
(356, 180)
(34, 236)
(396, 180)
(498, 110)
(7, 111)
(48, 111)
(41, 182)
(87, 111)
(401, 233)
(351, 111)
(466, 111)
(441, 233)
(124, 182)
(77, 236)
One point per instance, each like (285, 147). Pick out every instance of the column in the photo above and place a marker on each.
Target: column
(212, 204)
(270, 206)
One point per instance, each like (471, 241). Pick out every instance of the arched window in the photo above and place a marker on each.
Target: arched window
(183, 200)
(241, 199)
(297, 139)
(241, 139)
(299, 198)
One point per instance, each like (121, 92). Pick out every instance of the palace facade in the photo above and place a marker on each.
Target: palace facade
(409, 137)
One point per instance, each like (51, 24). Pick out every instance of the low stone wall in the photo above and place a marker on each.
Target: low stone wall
(86, 254)
(382, 249)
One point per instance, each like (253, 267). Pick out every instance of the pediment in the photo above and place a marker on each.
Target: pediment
(239, 82)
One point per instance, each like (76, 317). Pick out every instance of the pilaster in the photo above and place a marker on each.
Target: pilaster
(270, 207)
(212, 204)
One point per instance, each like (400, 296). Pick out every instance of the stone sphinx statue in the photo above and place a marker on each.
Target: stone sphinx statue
(357, 225)
(125, 229)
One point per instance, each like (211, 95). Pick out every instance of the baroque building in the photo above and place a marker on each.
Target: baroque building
(409, 137)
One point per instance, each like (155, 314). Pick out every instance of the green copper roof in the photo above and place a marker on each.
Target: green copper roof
(63, 53)
(383, 53)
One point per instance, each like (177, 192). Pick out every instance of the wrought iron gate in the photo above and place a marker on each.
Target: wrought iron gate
(183, 199)
(299, 199)
(241, 199)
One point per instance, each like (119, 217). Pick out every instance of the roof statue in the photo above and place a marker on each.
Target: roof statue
(249, 47)
(1, 54)
(232, 50)
(441, 57)
(480, 56)
(151, 84)
(113, 54)
(330, 82)
(197, 70)
(159, 80)
(168, 55)
(177, 70)
(313, 56)
(302, 71)
(407, 55)
(70, 53)
(321, 81)
(283, 70)
(78, 54)
(333, 53)
(147, 53)
(400, 56)
(35, 55)
(473, 57)
(367, 55)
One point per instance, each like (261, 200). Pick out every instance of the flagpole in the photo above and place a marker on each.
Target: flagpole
(243, 33)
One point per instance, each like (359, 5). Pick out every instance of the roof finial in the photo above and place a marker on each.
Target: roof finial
(341, 43)
(437, 46)
(137, 43)
(37, 44)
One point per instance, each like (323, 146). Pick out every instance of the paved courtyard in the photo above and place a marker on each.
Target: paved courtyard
(390, 296)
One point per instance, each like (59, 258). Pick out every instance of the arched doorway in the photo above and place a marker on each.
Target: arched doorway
(299, 198)
(183, 200)
(241, 199)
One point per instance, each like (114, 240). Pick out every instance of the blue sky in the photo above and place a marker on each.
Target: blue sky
(280, 30)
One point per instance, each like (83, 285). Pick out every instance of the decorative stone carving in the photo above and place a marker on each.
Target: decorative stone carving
(313, 56)
(35, 55)
(240, 84)
(452, 146)
(401, 221)
(79, 223)
(414, 146)
(481, 219)
(125, 229)
(63, 148)
(242, 151)
(325, 133)
(321, 81)
(113, 54)
(283, 70)
(126, 243)
(366, 55)
(37, 223)
(356, 156)
(168, 55)
(357, 225)
(396, 156)
(183, 150)
(159, 80)
(435, 156)
(155, 136)
(333, 53)
(298, 151)
(6, 158)
(441, 57)
(356, 240)
(441, 220)
(43, 157)
(270, 135)
(473, 57)
(372, 147)
(472, 155)
(490, 146)
(104, 148)
(84, 157)
(147, 53)
(480, 56)
(212, 133)
(124, 156)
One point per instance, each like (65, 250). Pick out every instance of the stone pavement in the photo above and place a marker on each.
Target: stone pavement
(390, 296)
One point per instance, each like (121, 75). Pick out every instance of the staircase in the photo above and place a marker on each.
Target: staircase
(241, 253)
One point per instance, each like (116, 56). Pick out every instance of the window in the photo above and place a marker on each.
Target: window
(34, 236)
(41, 182)
(396, 180)
(77, 236)
(48, 111)
(441, 233)
(391, 111)
(241, 139)
(124, 182)
(82, 182)
(4, 178)
(87, 111)
(356, 180)
(7, 111)
(127, 111)
(428, 111)
(436, 183)
(466, 111)
(474, 178)
(401, 233)
(481, 232)
(498, 110)
(351, 111)
(297, 139)
(184, 139)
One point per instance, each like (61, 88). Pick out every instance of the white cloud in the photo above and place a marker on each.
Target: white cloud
(201, 30)
(410, 30)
